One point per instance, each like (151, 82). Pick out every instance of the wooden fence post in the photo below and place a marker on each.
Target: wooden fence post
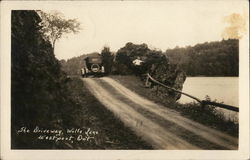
(146, 83)
(202, 105)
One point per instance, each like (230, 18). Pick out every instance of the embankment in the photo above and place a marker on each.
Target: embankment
(208, 116)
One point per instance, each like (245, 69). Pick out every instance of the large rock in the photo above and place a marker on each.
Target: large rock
(169, 75)
(153, 62)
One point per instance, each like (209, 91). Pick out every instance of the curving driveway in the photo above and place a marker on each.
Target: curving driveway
(163, 128)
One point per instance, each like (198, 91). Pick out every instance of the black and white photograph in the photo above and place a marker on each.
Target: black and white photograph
(124, 76)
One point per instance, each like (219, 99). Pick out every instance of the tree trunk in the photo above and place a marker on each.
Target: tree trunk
(53, 46)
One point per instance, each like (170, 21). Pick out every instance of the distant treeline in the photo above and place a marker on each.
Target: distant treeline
(208, 59)
(73, 65)
(219, 58)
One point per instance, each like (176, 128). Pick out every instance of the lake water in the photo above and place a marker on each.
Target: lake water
(223, 89)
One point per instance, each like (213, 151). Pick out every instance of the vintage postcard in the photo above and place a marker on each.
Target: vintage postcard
(125, 80)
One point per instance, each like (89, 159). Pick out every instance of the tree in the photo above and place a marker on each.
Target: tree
(108, 58)
(54, 26)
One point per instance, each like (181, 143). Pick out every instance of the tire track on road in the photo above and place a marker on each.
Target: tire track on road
(150, 131)
(163, 122)
(133, 109)
(209, 134)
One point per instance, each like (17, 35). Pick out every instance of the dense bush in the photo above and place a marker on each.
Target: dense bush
(155, 63)
(126, 55)
(107, 59)
(35, 73)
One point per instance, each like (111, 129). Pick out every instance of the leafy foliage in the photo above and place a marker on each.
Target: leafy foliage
(125, 56)
(107, 59)
(34, 67)
(55, 26)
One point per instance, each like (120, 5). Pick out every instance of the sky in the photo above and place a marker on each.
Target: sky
(159, 24)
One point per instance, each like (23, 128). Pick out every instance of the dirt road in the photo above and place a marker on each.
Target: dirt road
(163, 128)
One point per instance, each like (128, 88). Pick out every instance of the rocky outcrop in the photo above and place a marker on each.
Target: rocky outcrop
(155, 63)
(169, 75)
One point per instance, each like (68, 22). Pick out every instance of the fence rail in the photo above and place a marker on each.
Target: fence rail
(202, 102)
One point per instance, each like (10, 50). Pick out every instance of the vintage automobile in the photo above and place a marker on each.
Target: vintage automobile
(93, 65)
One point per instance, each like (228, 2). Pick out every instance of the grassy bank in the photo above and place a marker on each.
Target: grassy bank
(208, 116)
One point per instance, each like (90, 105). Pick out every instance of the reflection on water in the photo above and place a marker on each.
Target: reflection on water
(223, 89)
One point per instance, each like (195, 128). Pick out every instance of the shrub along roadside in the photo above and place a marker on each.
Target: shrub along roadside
(208, 116)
